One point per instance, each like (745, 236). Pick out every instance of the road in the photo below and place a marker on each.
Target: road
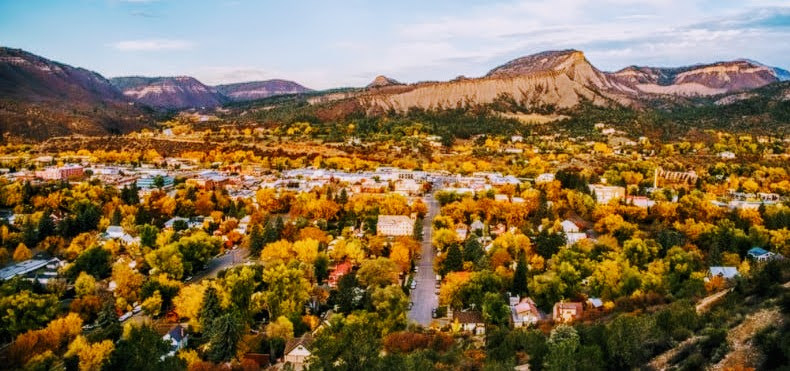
(424, 296)
(215, 265)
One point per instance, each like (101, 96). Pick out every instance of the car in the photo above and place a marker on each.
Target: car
(438, 285)
(411, 304)
(434, 314)
(416, 269)
(413, 285)
(188, 279)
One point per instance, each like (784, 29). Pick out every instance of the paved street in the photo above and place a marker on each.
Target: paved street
(424, 296)
(215, 265)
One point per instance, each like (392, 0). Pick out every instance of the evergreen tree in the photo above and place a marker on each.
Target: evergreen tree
(142, 350)
(46, 226)
(257, 239)
(107, 323)
(210, 308)
(29, 235)
(321, 268)
(116, 217)
(520, 276)
(225, 333)
(454, 261)
(473, 250)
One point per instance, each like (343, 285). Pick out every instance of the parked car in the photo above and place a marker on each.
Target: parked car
(433, 313)
(125, 316)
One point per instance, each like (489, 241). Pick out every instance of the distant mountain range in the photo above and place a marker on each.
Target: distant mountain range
(187, 92)
(40, 98)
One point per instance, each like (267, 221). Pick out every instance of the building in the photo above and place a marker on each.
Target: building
(177, 338)
(41, 270)
(340, 270)
(524, 312)
(209, 180)
(61, 173)
(297, 351)
(640, 201)
(408, 186)
(115, 232)
(470, 321)
(727, 155)
(149, 182)
(761, 255)
(567, 311)
(477, 225)
(723, 272)
(544, 178)
(605, 193)
(395, 225)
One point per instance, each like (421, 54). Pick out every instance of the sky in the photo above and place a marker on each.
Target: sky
(339, 43)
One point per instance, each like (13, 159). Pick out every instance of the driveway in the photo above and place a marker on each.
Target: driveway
(424, 296)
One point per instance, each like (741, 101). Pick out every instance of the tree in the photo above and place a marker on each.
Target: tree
(224, 334)
(22, 253)
(391, 304)
(256, 241)
(495, 309)
(127, 281)
(148, 235)
(454, 261)
(46, 226)
(25, 311)
(519, 286)
(167, 260)
(378, 272)
(85, 284)
(91, 356)
(473, 250)
(94, 261)
(142, 349)
(280, 328)
(321, 268)
(153, 304)
(210, 307)
(287, 290)
(563, 344)
(628, 341)
(350, 343)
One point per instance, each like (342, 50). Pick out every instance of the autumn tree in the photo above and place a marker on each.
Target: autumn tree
(287, 290)
(22, 253)
(378, 272)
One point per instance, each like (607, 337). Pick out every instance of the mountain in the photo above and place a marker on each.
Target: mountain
(698, 80)
(41, 98)
(382, 81)
(254, 90)
(168, 92)
(560, 79)
(565, 78)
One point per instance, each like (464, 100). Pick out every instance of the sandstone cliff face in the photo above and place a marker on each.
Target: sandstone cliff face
(562, 79)
(700, 80)
(168, 92)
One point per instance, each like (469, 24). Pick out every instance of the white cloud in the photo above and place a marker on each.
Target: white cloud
(152, 45)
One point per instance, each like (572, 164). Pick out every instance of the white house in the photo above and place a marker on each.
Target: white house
(723, 272)
(470, 321)
(605, 193)
(297, 351)
(395, 225)
(544, 178)
(761, 255)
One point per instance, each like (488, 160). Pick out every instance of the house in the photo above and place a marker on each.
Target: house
(395, 225)
(761, 255)
(297, 351)
(567, 311)
(594, 303)
(605, 193)
(340, 270)
(723, 272)
(470, 321)
(501, 197)
(544, 178)
(476, 225)
(524, 312)
(177, 338)
(115, 232)
(727, 155)
(640, 201)
(569, 226)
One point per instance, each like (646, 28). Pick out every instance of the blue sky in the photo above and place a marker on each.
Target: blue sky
(325, 44)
